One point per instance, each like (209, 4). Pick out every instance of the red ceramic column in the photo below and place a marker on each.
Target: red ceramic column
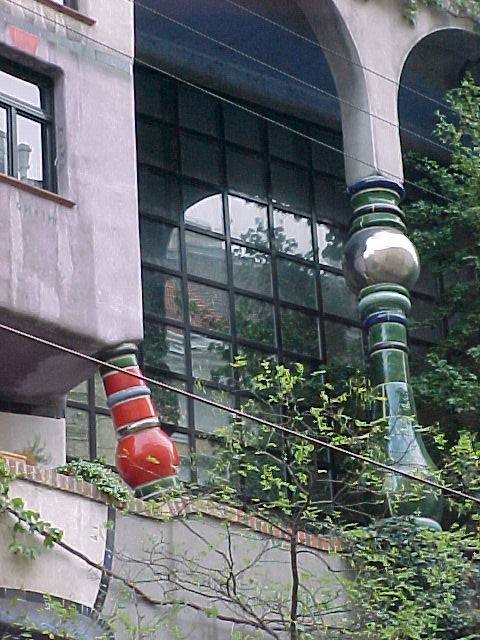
(146, 457)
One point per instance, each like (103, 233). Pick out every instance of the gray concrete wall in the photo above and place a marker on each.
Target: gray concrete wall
(73, 274)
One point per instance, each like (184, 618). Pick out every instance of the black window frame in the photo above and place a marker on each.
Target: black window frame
(43, 115)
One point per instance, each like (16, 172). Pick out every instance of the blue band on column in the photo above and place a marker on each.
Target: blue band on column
(384, 316)
(127, 394)
(376, 182)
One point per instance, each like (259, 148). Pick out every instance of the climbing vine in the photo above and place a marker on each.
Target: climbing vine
(457, 8)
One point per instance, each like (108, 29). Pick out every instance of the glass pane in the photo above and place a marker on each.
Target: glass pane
(254, 320)
(211, 359)
(201, 158)
(344, 344)
(331, 201)
(106, 439)
(100, 396)
(184, 472)
(20, 89)
(79, 393)
(290, 187)
(293, 234)
(208, 418)
(162, 294)
(203, 208)
(296, 283)
(208, 307)
(330, 245)
(158, 194)
(77, 433)
(3, 142)
(337, 297)
(159, 243)
(300, 332)
(248, 221)
(206, 257)
(424, 324)
(326, 159)
(29, 150)
(242, 127)
(246, 173)
(204, 460)
(251, 270)
(164, 347)
(171, 406)
(198, 111)
(156, 144)
(289, 146)
(426, 283)
(154, 95)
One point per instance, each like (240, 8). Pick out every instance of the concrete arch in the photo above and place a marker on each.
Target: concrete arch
(375, 37)
(332, 31)
(434, 65)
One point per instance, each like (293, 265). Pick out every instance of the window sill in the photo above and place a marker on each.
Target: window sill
(42, 193)
(68, 11)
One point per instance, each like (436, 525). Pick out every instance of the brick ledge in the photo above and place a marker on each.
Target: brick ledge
(181, 506)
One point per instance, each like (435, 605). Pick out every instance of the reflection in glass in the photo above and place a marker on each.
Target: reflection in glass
(208, 418)
(246, 173)
(3, 142)
(290, 187)
(299, 332)
(154, 95)
(198, 111)
(344, 344)
(251, 270)
(242, 128)
(248, 221)
(159, 243)
(424, 321)
(171, 406)
(326, 159)
(77, 433)
(181, 440)
(296, 283)
(162, 294)
(20, 89)
(164, 347)
(206, 256)
(156, 144)
(202, 208)
(106, 439)
(253, 359)
(254, 320)
(100, 395)
(208, 307)
(158, 194)
(330, 245)
(79, 393)
(293, 234)
(211, 359)
(337, 297)
(204, 460)
(201, 158)
(29, 151)
(331, 201)
(288, 146)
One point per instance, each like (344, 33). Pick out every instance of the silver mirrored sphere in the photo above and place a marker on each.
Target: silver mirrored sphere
(380, 254)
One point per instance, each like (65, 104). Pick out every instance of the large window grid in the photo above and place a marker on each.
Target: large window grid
(233, 288)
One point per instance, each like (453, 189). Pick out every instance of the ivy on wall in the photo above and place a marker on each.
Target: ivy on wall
(457, 8)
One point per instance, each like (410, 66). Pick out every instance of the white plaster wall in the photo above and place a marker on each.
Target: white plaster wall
(57, 572)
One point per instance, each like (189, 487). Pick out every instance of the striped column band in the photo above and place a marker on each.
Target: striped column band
(146, 457)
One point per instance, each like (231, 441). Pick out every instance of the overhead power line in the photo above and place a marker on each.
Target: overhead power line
(246, 416)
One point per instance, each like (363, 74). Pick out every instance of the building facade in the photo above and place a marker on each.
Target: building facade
(175, 175)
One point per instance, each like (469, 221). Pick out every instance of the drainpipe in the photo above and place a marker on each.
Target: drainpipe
(146, 458)
(381, 265)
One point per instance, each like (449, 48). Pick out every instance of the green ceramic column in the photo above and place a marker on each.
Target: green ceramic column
(381, 265)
